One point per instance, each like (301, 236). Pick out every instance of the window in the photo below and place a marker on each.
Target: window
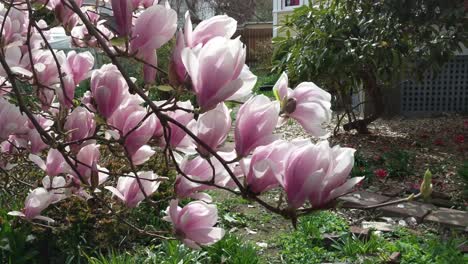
(291, 3)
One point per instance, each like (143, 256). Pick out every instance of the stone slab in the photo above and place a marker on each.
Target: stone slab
(361, 233)
(379, 226)
(415, 209)
(448, 217)
(363, 198)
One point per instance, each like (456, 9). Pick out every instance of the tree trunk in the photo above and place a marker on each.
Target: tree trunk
(372, 89)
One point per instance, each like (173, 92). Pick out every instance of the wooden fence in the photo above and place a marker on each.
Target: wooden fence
(258, 40)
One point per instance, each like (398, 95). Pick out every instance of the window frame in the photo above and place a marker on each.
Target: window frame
(288, 8)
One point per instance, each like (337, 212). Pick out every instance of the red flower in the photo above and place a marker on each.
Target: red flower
(439, 142)
(465, 124)
(381, 173)
(460, 139)
(416, 186)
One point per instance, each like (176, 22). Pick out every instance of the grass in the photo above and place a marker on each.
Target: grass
(230, 250)
(306, 246)
(265, 77)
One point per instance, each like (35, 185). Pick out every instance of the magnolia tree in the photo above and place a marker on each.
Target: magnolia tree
(70, 138)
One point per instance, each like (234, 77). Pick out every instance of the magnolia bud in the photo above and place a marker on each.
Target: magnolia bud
(426, 186)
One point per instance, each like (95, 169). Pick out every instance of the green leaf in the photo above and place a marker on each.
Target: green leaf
(165, 88)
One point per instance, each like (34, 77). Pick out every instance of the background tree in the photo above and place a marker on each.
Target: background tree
(346, 44)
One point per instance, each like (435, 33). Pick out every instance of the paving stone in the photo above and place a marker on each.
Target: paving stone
(415, 209)
(448, 217)
(442, 202)
(394, 258)
(379, 226)
(361, 233)
(440, 195)
(363, 198)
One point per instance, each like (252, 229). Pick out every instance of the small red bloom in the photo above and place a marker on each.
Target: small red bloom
(460, 139)
(416, 186)
(381, 173)
(439, 142)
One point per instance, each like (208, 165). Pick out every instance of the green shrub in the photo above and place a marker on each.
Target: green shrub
(399, 163)
(17, 245)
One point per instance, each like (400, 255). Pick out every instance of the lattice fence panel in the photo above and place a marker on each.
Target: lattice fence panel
(446, 91)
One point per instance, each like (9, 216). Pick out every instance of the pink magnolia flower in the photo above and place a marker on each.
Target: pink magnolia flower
(66, 93)
(255, 123)
(87, 100)
(14, 58)
(137, 128)
(158, 130)
(194, 223)
(15, 25)
(266, 166)
(215, 70)
(123, 14)
(56, 187)
(217, 26)
(11, 120)
(307, 103)
(38, 200)
(212, 127)
(54, 165)
(177, 68)
(179, 138)
(87, 165)
(381, 173)
(199, 169)
(66, 16)
(48, 77)
(36, 143)
(82, 38)
(80, 65)
(13, 144)
(318, 173)
(45, 67)
(80, 124)
(145, 42)
(128, 189)
(109, 89)
(144, 3)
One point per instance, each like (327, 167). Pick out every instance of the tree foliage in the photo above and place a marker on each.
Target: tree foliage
(343, 44)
